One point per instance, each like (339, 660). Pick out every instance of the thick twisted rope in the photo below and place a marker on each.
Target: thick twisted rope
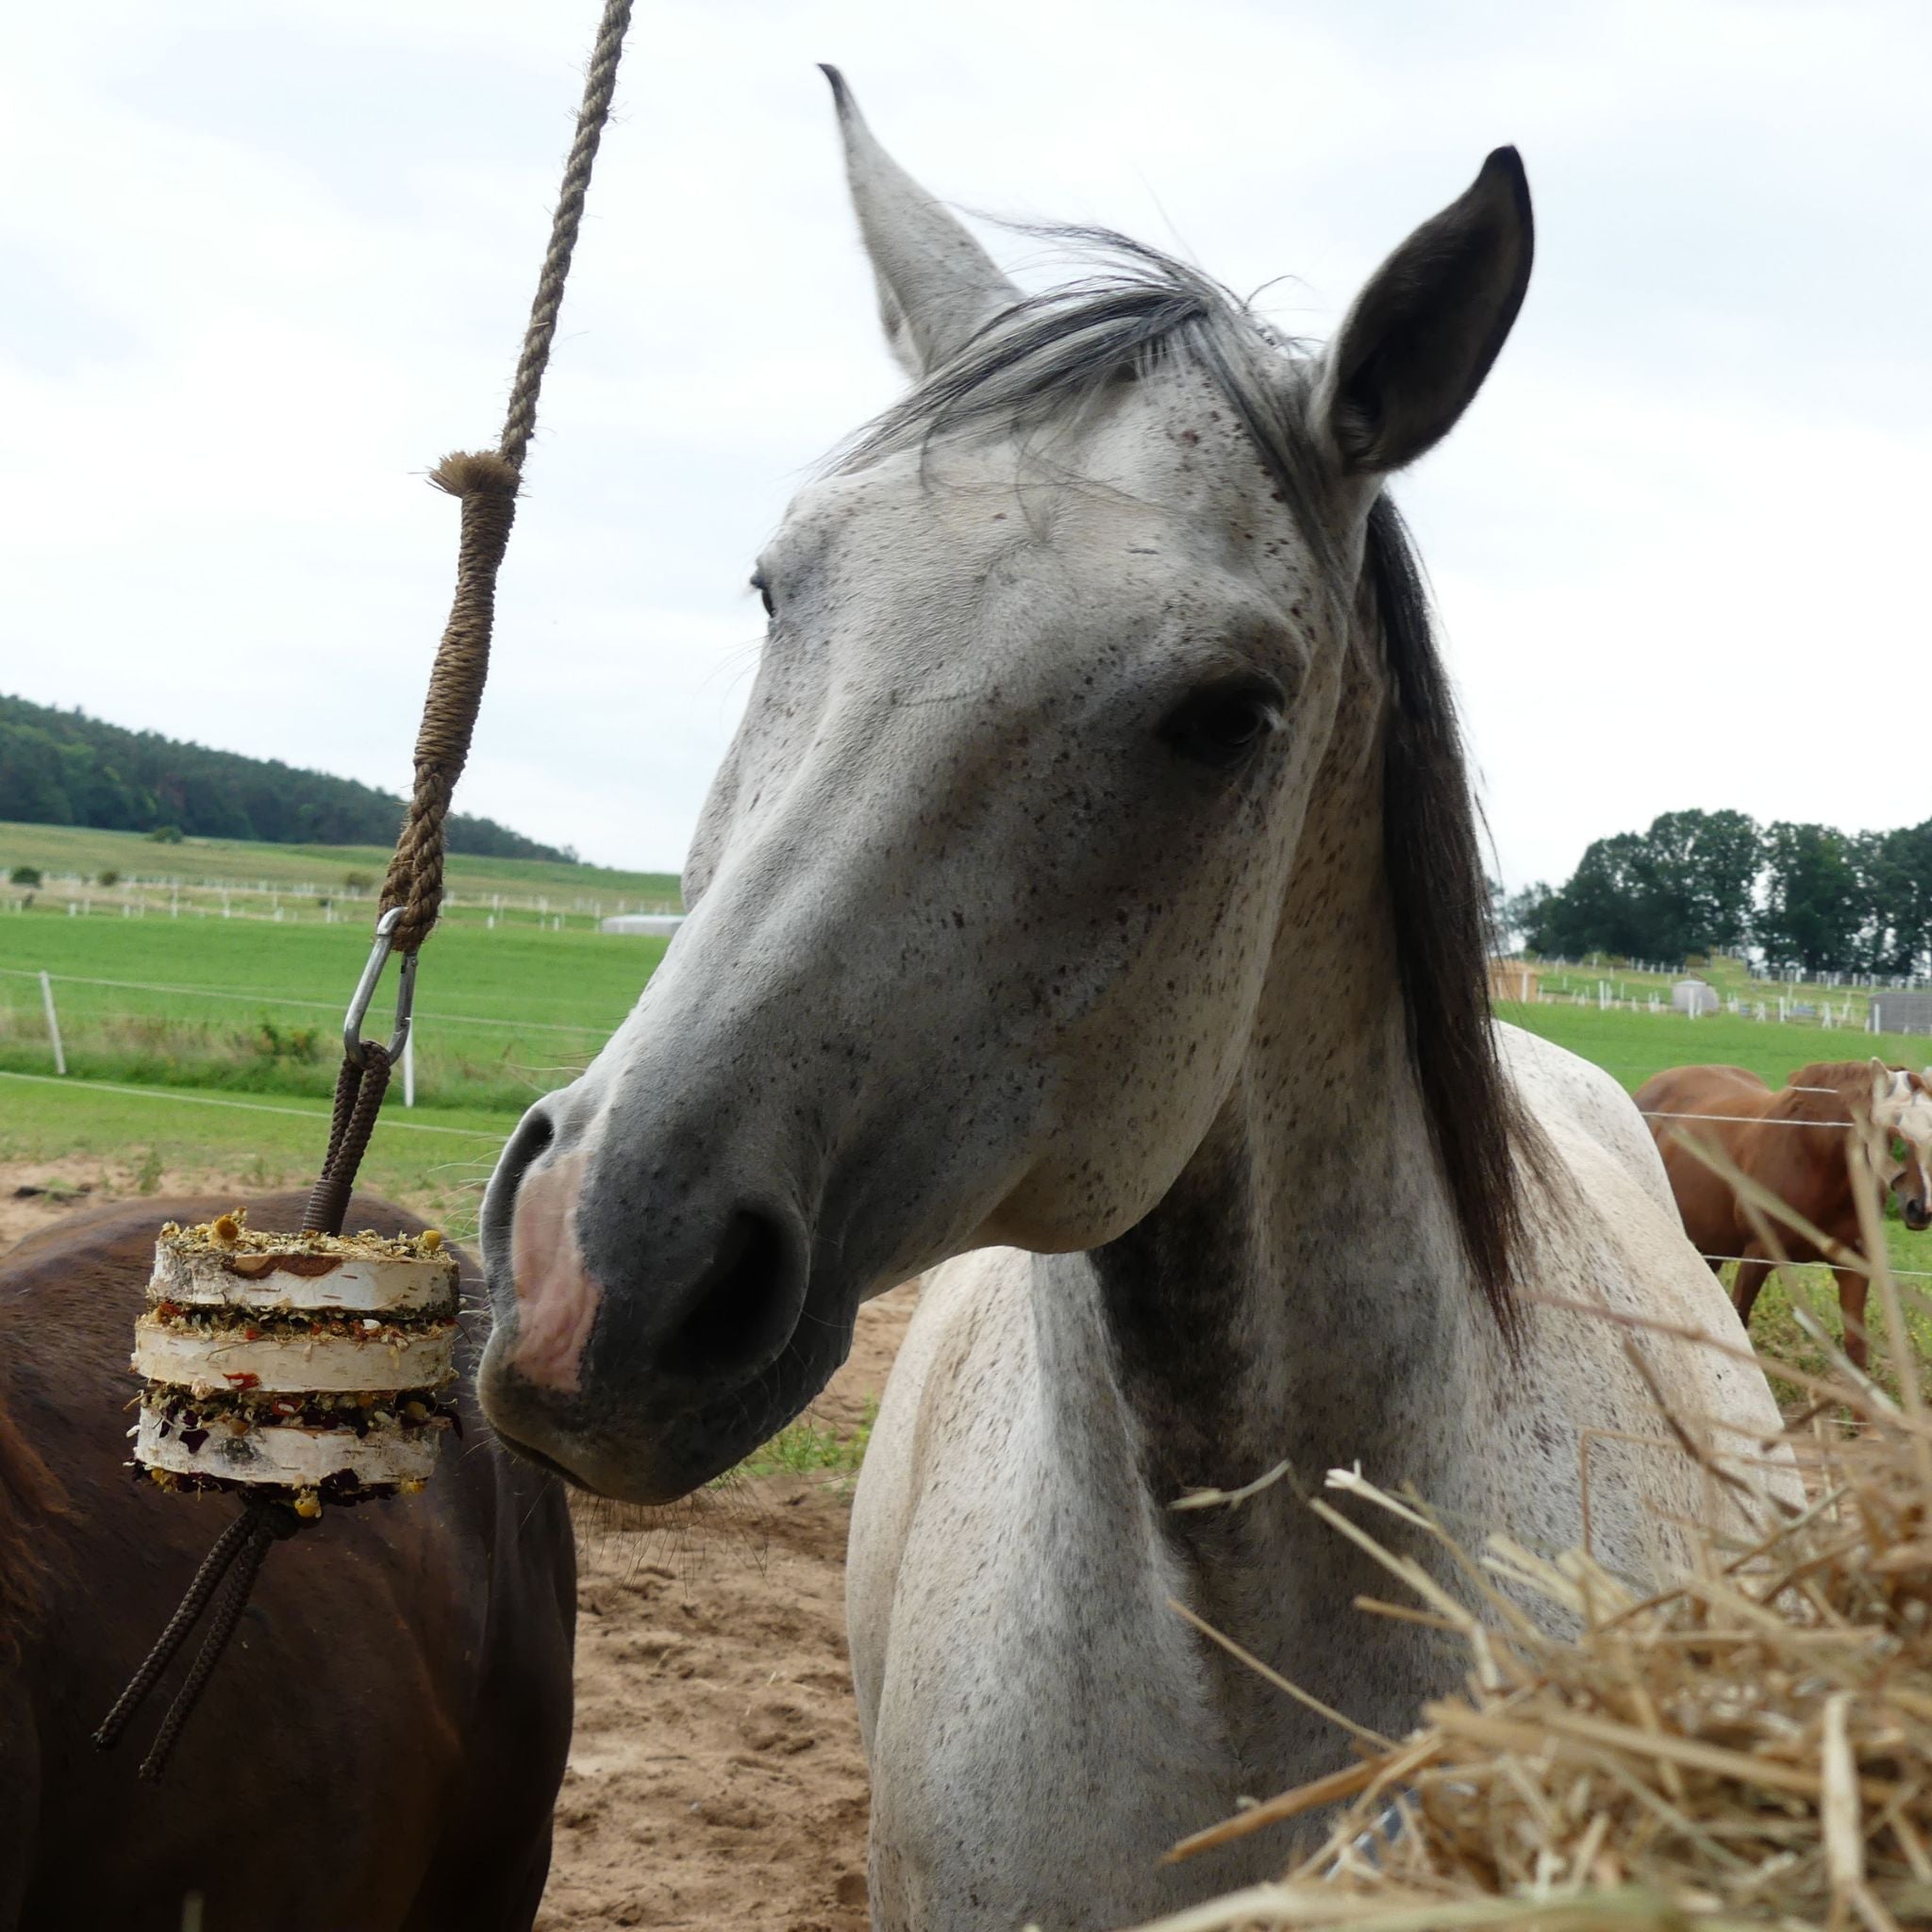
(487, 482)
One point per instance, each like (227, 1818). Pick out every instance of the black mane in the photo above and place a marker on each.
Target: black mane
(1047, 357)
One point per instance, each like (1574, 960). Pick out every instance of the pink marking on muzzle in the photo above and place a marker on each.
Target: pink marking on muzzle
(556, 1296)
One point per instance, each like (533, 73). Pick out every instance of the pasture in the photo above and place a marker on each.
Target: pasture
(252, 1005)
(1632, 1046)
(221, 1030)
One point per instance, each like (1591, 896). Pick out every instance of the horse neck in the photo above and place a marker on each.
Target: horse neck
(1300, 1293)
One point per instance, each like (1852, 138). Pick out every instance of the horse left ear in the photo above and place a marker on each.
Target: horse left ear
(938, 287)
(1423, 333)
(1881, 1080)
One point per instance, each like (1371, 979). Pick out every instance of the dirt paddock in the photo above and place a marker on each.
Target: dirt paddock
(715, 1777)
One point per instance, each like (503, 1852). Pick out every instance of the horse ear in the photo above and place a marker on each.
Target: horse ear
(1422, 334)
(1881, 1080)
(938, 288)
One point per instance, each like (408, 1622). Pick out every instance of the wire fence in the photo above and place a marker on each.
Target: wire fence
(176, 1097)
(312, 902)
(578, 1040)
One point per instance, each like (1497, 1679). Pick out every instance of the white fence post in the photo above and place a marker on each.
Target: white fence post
(53, 1024)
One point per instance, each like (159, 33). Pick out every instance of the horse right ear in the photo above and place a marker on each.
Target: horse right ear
(1881, 1080)
(1422, 334)
(938, 287)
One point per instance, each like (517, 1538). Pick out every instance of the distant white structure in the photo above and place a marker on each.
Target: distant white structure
(656, 925)
(1688, 997)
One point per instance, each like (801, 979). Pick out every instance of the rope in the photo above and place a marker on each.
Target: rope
(487, 482)
(214, 1566)
(231, 1566)
(358, 1100)
(600, 84)
(263, 1530)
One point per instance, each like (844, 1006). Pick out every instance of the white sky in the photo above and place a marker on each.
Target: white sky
(263, 262)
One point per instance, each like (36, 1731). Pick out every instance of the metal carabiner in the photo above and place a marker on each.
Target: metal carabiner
(365, 993)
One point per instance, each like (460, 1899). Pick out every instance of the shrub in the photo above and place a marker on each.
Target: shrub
(24, 875)
(357, 882)
(166, 835)
(302, 1044)
(110, 877)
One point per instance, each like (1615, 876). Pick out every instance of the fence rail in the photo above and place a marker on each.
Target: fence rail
(584, 1034)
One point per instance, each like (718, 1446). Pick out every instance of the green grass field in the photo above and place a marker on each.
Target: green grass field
(251, 1006)
(1634, 1045)
(200, 1047)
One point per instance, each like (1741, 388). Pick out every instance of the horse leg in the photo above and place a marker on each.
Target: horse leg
(1853, 1287)
(1752, 1272)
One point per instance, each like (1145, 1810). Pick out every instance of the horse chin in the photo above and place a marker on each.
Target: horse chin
(649, 1443)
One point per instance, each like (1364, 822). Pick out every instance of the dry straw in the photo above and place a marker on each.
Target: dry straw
(1750, 1749)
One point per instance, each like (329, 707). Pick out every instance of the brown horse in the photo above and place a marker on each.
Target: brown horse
(381, 1747)
(1791, 1141)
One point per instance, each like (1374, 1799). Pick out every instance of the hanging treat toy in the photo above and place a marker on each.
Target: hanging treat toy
(299, 1368)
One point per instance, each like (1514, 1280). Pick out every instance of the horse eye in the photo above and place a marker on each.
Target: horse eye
(1218, 728)
(764, 591)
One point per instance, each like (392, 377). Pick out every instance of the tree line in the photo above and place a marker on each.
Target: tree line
(1808, 897)
(63, 768)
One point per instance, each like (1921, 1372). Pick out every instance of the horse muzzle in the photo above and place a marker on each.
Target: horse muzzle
(651, 1319)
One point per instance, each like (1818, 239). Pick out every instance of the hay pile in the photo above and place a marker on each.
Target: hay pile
(1752, 1750)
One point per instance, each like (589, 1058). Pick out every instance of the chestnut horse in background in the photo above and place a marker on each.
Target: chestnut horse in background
(381, 1747)
(1791, 1141)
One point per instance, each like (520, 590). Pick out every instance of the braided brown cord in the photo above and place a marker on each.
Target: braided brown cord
(214, 1566)
(487, 483)
(262, 1529)
(358, 1100)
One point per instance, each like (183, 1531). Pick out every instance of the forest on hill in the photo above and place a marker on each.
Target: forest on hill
(1807, 896)
(64, 768)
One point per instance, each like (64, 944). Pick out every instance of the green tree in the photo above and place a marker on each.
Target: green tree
(1896, 880)
(1600, 909)
(1523, 913)
(1693, 877)
(1815, 902)
(63, 768)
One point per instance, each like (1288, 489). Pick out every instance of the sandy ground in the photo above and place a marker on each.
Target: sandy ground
(715, 1779)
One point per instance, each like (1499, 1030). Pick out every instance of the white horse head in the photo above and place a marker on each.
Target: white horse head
(1099, 709)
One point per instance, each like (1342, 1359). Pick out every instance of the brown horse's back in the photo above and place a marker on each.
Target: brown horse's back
(381, 1747)
(1717, 1106)
(1790, 1140)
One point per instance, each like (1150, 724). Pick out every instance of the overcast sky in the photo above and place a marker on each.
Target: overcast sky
(262, 263)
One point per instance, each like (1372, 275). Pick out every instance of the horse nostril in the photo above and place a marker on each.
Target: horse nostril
(745, 1307)
(536, 1132)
